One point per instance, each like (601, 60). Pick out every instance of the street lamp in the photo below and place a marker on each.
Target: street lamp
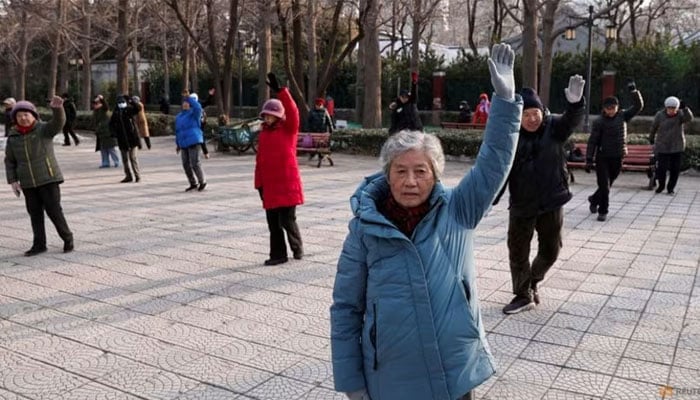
(570, 34)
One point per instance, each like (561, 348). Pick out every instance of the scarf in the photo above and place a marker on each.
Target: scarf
(405, 219)
(23, 130)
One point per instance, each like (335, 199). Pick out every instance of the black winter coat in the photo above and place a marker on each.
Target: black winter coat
(405, 115)
(122, 127)
(609, 134)
(539, 181)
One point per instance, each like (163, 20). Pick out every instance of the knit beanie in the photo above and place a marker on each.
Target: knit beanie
(611, 101)
(23, 105)
(672, 102)
(531, 99)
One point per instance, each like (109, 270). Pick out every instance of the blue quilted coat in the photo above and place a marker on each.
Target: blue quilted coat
(405, 320)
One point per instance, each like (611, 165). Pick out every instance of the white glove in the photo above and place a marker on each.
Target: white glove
(16, 188)
(358, 395)
(575, 90)
(501, 69)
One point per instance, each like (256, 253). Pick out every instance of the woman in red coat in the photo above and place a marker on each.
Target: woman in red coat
(277, 176)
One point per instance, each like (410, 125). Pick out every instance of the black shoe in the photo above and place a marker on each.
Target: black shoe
(126, 180)
(34, 251)
(201, 186)
(77, 142)
(535, 295)
(276, 261)
(593, 208)
(671, 192)
(659, 189)
(68, 246)
(66, 144)
(191, 188)
(519, 304)
(298, 255)
(138, 179)
(602, 217)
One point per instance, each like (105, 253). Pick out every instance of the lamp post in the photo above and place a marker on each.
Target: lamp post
(570, 34)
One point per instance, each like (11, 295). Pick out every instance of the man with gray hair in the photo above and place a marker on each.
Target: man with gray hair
(405, 319)
(668, 137)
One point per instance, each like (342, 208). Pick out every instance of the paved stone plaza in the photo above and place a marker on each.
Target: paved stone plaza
(166, 296)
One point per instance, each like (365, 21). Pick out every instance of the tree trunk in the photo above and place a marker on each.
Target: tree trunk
(529, 35)
(122, 47)
(548, 38)
(53, 69)
(264, 50)
(372, 100)
(311, 92)
(166, 64)
(85, 56)
(21, 86)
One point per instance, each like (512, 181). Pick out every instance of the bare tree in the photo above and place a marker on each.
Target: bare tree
(371, 64)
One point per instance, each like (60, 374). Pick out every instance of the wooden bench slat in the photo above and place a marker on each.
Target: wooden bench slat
(639, 158)
(461, 125)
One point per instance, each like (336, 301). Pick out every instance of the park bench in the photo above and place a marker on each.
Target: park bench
(639, 158)
(315, 144)
(462, 125)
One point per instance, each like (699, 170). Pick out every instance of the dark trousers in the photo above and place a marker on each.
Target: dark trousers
(468, 396)
(606, 171)
(671, 163)
(68, 130)
(46, 198)
(280, 220)
(525, 276)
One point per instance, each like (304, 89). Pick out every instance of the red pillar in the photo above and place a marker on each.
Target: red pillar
(438, 95)
(608, 81)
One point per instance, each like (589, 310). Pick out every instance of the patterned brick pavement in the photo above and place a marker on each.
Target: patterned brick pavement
(166, 297)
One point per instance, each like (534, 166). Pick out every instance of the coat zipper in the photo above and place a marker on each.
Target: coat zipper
(29, 164)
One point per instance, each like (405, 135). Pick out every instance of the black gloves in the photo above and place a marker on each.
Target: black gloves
(651, 141)
(682, 105)
(589, 167)
(631, 86)
(272, 82)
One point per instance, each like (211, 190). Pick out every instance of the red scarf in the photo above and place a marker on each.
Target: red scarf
(406, 219)
(23, 130)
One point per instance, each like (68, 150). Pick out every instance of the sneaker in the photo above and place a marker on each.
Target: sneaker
(34, 251)
(127, 179)
(593, 208)
(276, 261)
(518, 304)
(201, 186)
(191, 188)
(602, 217)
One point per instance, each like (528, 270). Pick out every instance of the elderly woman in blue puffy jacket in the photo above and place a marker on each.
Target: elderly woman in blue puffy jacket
(189, 138)
(405, 319)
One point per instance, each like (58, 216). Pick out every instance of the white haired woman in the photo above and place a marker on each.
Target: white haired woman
(405, 319)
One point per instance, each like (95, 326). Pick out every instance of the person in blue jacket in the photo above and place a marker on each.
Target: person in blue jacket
(405, 319)
(189, 138)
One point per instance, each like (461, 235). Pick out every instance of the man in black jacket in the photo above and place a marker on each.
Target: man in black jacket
(71, 115)
(607, 145)
(404, 112)
(538, 188)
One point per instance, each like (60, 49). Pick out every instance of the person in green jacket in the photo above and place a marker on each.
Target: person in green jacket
(106, 144)
(32, 169)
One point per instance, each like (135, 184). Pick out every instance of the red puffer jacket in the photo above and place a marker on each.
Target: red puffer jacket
(276, 166)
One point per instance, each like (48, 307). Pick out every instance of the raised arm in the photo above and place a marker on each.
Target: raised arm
(637, 102)
(291, 111)
(475, 192)
(573, 115)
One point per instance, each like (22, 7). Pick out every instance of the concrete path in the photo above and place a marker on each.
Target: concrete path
(166, 297)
